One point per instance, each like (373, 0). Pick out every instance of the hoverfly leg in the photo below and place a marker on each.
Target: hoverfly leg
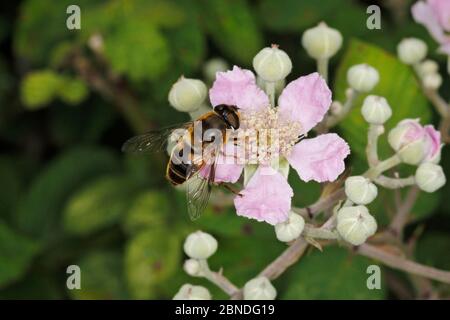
(231, 189)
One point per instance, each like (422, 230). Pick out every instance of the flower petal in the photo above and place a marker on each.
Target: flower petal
(434, 138)
(267, 197)
(424, 14)
(229, 165)
(238, 87)
(305, 100)
(320, 158)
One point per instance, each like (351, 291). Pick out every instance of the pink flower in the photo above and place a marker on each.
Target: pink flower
(410, 132)
(435, 16)
(301, 106)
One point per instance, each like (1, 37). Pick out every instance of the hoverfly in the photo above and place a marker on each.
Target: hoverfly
(187, 161)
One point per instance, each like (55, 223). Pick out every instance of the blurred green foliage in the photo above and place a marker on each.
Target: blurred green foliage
(68, 196)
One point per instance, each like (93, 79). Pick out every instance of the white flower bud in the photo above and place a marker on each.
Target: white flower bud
(428, 67)
(259, 289)
(272, 64)
(213, 66)
(414, 152)
(411, 50)
(192, 267)
(187, 95)
(190, 292)
(430, 177)
(376, 110)
(200, 245)
(432, 81)
(322, 42)
(360, 190)
(290, 229)
(362, 77)
(412, 142)
(355, 224)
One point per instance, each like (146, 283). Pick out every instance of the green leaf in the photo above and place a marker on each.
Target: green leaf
(39, 88)
(102, 277)
(397, 84)
(10, 188)
(16, 252)
(98, 205)
(233, 28)
(150, 210)
(331, 274)
(72, 91)
(151, 257)
(39, 210)
(138, 50)
(433, 248)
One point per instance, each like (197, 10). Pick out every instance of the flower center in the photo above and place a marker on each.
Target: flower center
(266, 136)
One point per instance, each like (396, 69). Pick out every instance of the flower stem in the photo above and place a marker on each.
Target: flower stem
(372, 144)
(270, 91)
(387, 164)
(333, 120)
(322, 68)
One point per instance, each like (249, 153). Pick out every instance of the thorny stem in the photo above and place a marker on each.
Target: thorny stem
(402, 263)
(218, 279)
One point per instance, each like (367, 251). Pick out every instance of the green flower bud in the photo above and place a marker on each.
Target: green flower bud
(360, 190)
(200, 245)
(259, 289)
(190, 292)
(321, 42)
(412, 50)
(362, 77)
(291, 229)
(272, 64)
(187, 95)
(376, 110)
(430, 177)
(355, 224)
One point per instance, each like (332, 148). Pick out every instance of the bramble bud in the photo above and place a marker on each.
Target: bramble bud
(187, 95)
(272, 64)
(291, 228)
(432, 81)
(355, 224)
(430, 177)
(360, 190)
(200, 245)
(321, 42)
(362, 77)
(376, 110)
(414, 143)
(190, 292)
(192, 267)
(259, 289)
(213, 66)
(428, 67)
(411, 50)
(279, 85)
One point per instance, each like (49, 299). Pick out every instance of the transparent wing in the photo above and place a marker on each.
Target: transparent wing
(198, 188)
(155, 140)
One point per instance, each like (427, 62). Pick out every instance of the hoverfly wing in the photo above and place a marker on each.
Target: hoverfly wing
(198, 188)
(155, 140)
(198, 192)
